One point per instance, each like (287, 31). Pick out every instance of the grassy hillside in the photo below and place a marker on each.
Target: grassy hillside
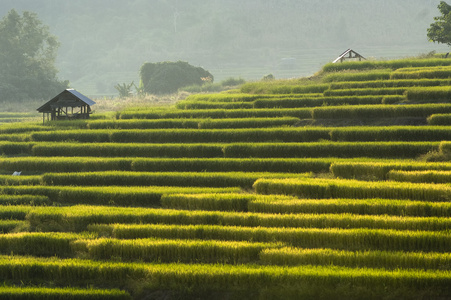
(331, 186)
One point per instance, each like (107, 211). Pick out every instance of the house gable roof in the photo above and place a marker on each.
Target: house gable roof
(67, 98)
(348, 54)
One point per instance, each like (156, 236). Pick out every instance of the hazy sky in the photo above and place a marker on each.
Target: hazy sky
(105, 42)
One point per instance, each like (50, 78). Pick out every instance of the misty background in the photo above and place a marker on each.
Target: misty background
(105, 42)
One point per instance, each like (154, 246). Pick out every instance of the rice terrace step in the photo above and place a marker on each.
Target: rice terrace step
(233, 196)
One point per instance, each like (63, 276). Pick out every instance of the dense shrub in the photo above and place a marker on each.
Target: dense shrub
(168, 77)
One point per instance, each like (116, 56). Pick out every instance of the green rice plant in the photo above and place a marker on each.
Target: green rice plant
(122, 196)
(181, 251)
(215, 202)
(279, 205)
(190, 123)
(142, 124)
(294, 86)
(39, 217)
(62, 271)
(439, 120)
(279, 165)
(357, 76)
(429, 94)
(222, 97)
(356, 259)
(16, 137)
(301, 134)
(341, 239)
(15, 148)
(13, 212)
(388, 83)
(333, 188)
(365, 92)
(77, 218)
(393, 99)
(321, 101)
(38, 244)
(248, 280)
(45, 293)
(330, 149)
(379, 170)
(392, 133)
(421, 73)
(154, 136)
(22, 128)
(244, 97)
(194, 179)
(302, 113)
(379, 111)
(19, 180)
(391, 64)
(24, 200)
(68, 124)
(64, 164)
(16, 115)
(420, 176)
(300, 89)
(10, 225)
(247, 123)
(186, 104)
(85, 164)
(127, 150)
(445, 147)
(80, 135)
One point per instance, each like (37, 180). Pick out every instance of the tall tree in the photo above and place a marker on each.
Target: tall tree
(27, 58)
(440, 30)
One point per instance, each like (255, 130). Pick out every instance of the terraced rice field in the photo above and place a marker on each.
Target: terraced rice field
(240, 196)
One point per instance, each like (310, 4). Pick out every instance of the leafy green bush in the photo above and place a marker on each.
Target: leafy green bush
(232, 81)
(168, 77)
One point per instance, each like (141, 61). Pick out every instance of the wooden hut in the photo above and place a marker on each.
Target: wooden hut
(349, 54)
(68, 105)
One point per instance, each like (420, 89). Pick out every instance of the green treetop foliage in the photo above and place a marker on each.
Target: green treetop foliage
(168, 77)
(440, 30)
(27, 58)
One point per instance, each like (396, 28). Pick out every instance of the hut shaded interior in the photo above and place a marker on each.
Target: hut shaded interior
(68, 105)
